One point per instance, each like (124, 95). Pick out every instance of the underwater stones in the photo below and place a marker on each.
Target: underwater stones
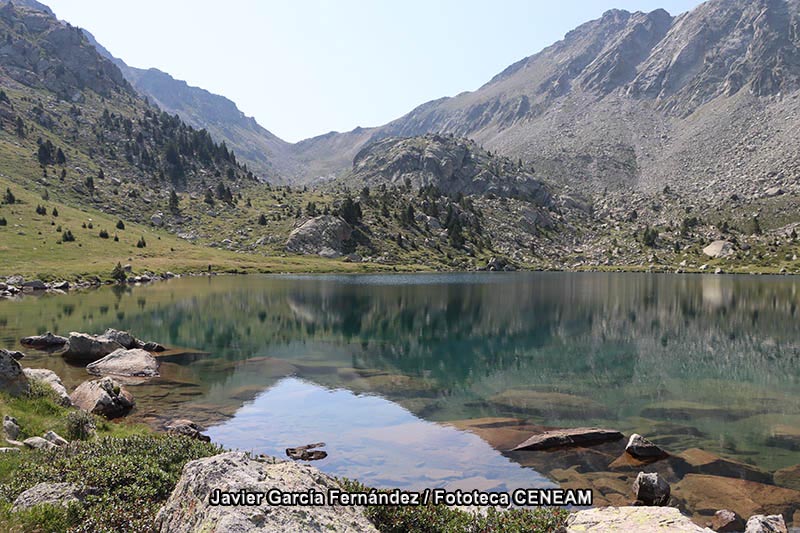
(703, 462)
(651, 489)
(548, 404)
(641, 448)
(686, 410)
(561, 438)
(788, 477)
(704, 494)
(784, 436)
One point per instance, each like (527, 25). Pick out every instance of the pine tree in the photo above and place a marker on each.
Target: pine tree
(174, 202)
(262, 220)
(9, 197)
(118, 273)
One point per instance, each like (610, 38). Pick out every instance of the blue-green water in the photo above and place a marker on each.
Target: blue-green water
(387, 369)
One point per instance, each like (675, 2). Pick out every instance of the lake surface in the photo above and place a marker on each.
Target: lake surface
(419, 381)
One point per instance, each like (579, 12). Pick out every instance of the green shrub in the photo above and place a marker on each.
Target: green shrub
(80, 425)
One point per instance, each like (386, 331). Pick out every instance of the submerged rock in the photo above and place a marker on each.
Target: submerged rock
(188, 509)
(560, 438)
(12, 379)
(703, 462)
(630, 519)
(51, 379)
(48, 340)
(549, 404)
(103, 397)
(123, 362)
(788, 477)
(651, 489)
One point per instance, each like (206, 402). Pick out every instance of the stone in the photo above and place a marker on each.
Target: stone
(38, 443)
(82, 346)
(157, 219)
(60, 286)
(651, 489)
(122, 362)
(153, 347)
(186, 428)
(552, 405)
(188, 509)
(324, 234)
(51, 493)
(55, 438)
(34, 285)
(703, 462)
(307, 452)
(51, 379)
(704, 494)
(560, 438)
(725, 521)
(641, 448)
(123, 338)
(11, 427)
(48, 340)
(631, 519)
(12, 379)
(788, 477)
(103, 397)
(9, 450)
(766, 524)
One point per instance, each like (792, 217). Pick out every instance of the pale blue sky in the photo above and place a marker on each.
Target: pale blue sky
(306, 67)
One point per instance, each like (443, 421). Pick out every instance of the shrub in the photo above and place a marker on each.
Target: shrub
(80, 425)
(141, 243)
(55, 212)
(120, 224)
(118, 273)
(67, 236)
(3, 221)
(103, 234)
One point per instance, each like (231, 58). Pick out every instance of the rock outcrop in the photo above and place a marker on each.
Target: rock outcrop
(51, 379)
(122, 362)
(719, 249)
(51, 493)
(324, 235)
(188, 509)
(103, 397)
(640, 519)
(12, 379)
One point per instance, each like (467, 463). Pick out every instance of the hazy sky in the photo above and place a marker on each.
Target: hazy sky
(306, 67)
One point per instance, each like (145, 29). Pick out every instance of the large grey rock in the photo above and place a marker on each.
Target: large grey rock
(11, 427)
(12, 379)
(34, 285)
(560, 438)
(48, 340)
(651, 489)
(766, 524)
(38, 443)
(103, 397)
(641, 448)
(123, 338)
(51, 379)
(55, 438)
(123, 362)
(718, 249)
(186, 428)
(89, 347)
(51, 493)
(726, 521)
(631, 519)
(322, 235)
(188, 509)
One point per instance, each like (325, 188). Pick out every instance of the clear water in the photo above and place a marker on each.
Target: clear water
(388, 370)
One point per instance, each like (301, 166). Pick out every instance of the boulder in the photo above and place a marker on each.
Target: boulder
(48, 340)
(186, 428)
(552, 405)
(38, 443)
(719, 249)
(12, 379)
(651, 489)
(703, 462)
(10, 427)
(51, 493)
(788, 477)
(153, 347)
(725, 521)
(641, 519)
(89, 347)
(324, 234)
(157, 219)
(51, 379)
(641, 448)
(561, 438)
(60, 286)
(103, 397)
(188, 508)
(123, 338)
(766, 524)
(122, 362)
(34, 285)
(55, 438)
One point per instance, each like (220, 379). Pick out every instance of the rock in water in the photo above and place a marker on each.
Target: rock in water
(188, 509)
(560, 438)
(726, 521)
(323, 235)
(51, 379)
(651, 489)
(123, 338)
(48, 340)
(12, 379)
(186, 428)
(123, 362)
(103, 397)
(89, 347)
(766, 524)
(51, 493)
(641, 448)
(631, 519)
